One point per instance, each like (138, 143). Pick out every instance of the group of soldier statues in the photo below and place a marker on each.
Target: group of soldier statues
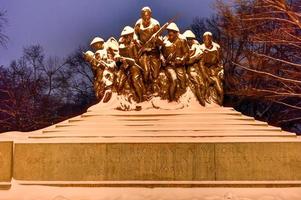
(144, 64)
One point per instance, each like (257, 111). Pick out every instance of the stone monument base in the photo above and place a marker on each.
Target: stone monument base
(191, 147)
(170, 162)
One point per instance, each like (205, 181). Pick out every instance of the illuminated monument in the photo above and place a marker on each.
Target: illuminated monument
(159, 123)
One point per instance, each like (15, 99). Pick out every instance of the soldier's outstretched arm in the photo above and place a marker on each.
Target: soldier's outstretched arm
(159, 41)
(127, 60)
(196, 56)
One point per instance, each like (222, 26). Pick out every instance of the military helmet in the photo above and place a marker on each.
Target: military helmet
(96, 40)
(127, 30)
(89, 53)
(146, 8)
(173, 27)
(112, 43)
(189, 34)
(207, 33)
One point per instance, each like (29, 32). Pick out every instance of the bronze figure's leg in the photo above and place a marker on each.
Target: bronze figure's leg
(172, 76)
(120, 81)
(218, 86)
(207, 76)
(161, 85)
(203, 73)
(181, 75)
(99, 90)
(96, 88)
(198, 83)
(215, 90)
(155, 65)
(137, 82)
(144, 63)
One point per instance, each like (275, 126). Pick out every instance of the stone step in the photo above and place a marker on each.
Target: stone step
(142, 114)
(62, 134)
(5, 185)
(159, 140)
(166, 128)
(192, 134)
(185, 121)
(145, 117)
(158, 125)
(186, 110)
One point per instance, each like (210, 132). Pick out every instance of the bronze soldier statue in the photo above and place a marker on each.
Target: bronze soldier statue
(94, 59)
(211, 58)
(195, 73)
(149, 58)
(103, 67)
(142, 64)
(108, 80)
(175, 52)
(112, 47)
(128, 56)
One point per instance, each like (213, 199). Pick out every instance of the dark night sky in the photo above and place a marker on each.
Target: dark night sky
(60, 26)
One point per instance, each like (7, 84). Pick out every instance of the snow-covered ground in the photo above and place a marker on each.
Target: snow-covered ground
(21, 192)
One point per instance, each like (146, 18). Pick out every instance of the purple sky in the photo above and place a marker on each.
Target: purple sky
(60, 26)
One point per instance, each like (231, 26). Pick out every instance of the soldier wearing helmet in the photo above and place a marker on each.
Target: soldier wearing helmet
(100, 64)
(149, 59)
(97, 44)
(210, 49)
(211, 57)
(112, 47)
(128, 56)
(195, 74)
(175, 52)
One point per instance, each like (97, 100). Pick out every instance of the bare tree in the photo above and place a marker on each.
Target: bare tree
(16, 102)
(263, 54)
(202, 24)
(37, 91)
(34, 55)
(82, 80)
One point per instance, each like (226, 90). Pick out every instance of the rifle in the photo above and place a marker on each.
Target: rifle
(97, 62)
(130, 61)
(169, 58)
(155, 35)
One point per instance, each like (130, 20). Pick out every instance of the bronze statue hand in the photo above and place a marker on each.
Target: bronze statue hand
(138, 43)
(178, 61)
(163, 60)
